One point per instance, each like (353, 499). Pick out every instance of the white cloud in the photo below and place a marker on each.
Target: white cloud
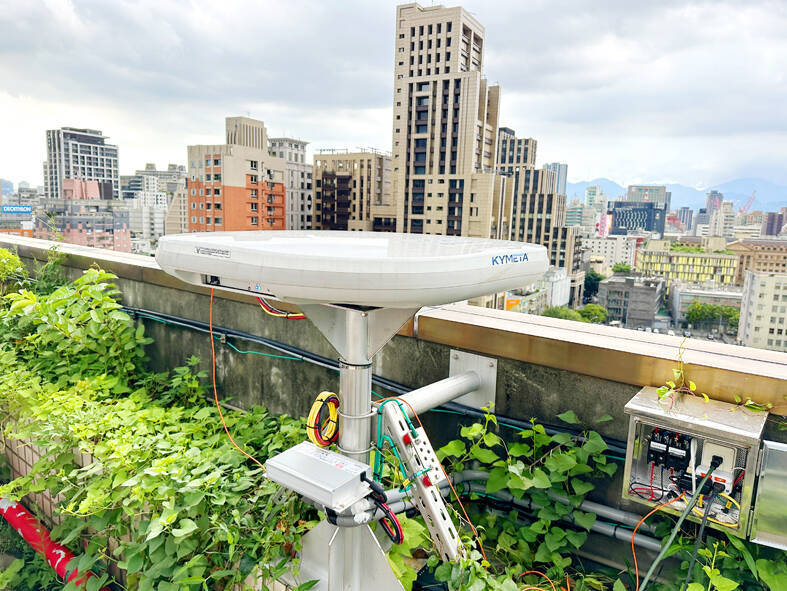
(693, 92)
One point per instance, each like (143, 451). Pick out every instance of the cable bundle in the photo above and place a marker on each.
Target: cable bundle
(323, 432)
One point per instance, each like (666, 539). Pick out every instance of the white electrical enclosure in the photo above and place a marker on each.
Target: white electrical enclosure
(671, 444)
(320, 475)
(357, 268)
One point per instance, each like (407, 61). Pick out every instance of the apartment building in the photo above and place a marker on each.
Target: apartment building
(177, 219)
(685, 216)
(445, 119)
(722, 220)
(763, 320)
(614, 249)
(561, 176)
(773, 223)
(594, 197)
(298, 184)
(236, 185)
(76, 153)
(348, 186)
(763, 255)
(687, 264)
(633, 301)
(654, 193)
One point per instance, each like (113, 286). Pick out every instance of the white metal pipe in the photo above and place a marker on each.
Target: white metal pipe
(434, 395)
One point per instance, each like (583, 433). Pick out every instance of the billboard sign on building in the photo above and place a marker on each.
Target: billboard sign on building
(16, 209)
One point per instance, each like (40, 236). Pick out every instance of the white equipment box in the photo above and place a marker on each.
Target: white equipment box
(320, 475)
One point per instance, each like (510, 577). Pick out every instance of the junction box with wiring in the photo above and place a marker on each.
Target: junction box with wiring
(673, 442)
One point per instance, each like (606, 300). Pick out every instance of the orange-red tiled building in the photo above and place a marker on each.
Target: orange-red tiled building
(237, 185)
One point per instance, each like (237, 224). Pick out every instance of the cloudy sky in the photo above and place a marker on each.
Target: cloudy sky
(636, 91)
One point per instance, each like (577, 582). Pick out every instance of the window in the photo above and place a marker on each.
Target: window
(217, 162)
(217, 206)
(254, 207)
(208, 191)
(201, 220)
(207, 177)
(448, 27)
(193, 192)
(255, 221)
(253, 179)
(254, 193)
(193, 219)
(217, 191)
(208, 205)
(253, 164)
(202, 206)
(207, 163)
(216, 177)
(208, 220)
(217, 221)
(421, 129)
(193, 205)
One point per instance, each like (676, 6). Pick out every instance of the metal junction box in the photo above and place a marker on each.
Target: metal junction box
(671, 444)
(320, 475)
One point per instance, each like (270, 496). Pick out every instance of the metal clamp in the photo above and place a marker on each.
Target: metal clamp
(357, 417)
(355, 451)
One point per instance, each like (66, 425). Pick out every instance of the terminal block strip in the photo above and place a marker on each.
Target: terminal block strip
(424, 469)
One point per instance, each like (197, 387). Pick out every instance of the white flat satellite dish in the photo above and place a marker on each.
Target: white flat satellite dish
(357, 268)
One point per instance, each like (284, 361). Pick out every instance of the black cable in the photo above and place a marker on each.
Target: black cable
(699, 538)
(390, 523)
(614, 445)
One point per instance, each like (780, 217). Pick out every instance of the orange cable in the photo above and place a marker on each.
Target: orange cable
(215, 392)
(641, 521)
(538, 572)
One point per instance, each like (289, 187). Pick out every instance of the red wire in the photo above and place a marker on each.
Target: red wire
(215, 392)
(739, 478)
(276, 312)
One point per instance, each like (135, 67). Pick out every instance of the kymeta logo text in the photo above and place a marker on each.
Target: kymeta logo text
(504, 259)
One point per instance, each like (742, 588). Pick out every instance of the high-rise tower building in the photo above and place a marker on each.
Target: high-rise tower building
(237, 185)
(83, 154)
(561, 175)
(298, 182)
(657, 194)
(347, 185)
(445, 120)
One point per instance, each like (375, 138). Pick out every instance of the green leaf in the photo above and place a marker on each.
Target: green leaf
(473, 431)
(186, 527)
(498, 480)
(576, 538)
(554, 538)
(454, 448)
(618, 586)
(585, 520)
(540, 479)
(747, 557)
(568, 417)
(519, 449)
(581, 487)
(484, 455)
(722, 583)
(490, 439)
(560, 462)
(604, 418)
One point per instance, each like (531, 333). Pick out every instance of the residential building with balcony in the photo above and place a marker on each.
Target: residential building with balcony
(299, 181)
(686, 264)
(445, 119)
(237, 185)
(763, 320)
(615, 249)
(83, 154)
(349, 187)
(632, 300)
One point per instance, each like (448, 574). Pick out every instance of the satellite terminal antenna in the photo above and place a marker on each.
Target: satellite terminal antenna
(359, 289)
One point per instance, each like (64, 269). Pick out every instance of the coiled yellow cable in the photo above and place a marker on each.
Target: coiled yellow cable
(325, 433)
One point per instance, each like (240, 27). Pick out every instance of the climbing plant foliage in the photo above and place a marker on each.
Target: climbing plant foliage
(147, 479)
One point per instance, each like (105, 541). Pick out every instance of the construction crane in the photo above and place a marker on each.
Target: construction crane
(748, 203)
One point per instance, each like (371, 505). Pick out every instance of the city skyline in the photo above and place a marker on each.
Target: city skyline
(335, 90)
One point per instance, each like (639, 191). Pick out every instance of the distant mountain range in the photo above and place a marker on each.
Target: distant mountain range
(769, 197)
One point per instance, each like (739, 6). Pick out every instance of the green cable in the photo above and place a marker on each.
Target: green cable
(234, 348)
(675, 529)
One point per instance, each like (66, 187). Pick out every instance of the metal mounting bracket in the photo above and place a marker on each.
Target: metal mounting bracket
(485, 367)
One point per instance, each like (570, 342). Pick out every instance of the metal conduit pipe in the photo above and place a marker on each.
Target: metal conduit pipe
(616, 515)
(607, 529)
(438, 393)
